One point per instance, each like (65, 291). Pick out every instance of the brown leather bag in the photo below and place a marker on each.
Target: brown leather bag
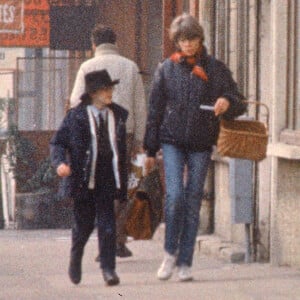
(139, 220)
(145, 209)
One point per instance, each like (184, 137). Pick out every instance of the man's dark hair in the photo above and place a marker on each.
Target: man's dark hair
(102, 34)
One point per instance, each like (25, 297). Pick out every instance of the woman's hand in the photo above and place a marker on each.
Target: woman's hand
(63, 170)
(221, 106)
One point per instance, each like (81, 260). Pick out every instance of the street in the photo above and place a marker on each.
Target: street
(34, 263)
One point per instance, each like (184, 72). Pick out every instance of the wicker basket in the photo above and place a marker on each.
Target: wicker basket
(245, 139)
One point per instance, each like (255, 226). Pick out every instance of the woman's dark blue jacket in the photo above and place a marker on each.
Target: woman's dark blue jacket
(71, 144)
(174, 115)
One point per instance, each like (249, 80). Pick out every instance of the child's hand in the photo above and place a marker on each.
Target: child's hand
(63, 170)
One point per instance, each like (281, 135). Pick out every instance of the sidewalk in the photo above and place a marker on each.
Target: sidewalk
(33, 265)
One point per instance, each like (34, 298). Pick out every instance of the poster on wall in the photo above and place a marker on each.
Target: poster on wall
(24, 23)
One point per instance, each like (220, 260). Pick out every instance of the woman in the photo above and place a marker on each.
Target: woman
(186, 133)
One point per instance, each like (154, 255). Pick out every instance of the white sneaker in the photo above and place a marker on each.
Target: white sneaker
(166, 268)
(185, 273)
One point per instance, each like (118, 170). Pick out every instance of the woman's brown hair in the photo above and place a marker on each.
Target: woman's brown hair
(185, 26)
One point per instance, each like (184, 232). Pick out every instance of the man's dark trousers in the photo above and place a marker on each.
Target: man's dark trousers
(99, 204)
(95, 205)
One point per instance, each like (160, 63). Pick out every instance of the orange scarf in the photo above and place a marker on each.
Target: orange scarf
(179, 57)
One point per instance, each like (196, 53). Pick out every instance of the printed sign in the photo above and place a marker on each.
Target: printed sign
(35, 30)
(11, 16)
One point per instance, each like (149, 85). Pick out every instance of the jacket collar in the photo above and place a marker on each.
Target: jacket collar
(105, 49)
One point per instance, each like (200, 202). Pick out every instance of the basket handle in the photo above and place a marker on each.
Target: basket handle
(257, 103)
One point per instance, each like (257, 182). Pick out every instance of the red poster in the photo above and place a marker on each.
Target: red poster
(36, 29)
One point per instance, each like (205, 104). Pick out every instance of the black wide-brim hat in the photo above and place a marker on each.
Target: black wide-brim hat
(95, 81)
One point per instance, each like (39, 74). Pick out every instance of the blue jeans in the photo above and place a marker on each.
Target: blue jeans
(183, 199)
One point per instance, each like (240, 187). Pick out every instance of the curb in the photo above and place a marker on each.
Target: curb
(211, 245)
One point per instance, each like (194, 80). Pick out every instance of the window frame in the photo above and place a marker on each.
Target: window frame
(291, 134)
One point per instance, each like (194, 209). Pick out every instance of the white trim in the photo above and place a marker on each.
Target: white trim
(283, 150)
(8, 183)
(91, 184)
(278, 87)
(113, 143)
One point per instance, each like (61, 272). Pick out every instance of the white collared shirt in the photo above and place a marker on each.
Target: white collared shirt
(96, 112)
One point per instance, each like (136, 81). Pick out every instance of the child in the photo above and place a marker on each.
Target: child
(89, 153)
